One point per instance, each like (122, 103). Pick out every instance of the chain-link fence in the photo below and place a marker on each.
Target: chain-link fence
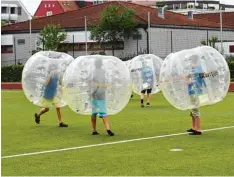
(160, 41)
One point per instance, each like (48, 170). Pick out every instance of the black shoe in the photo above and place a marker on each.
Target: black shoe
(37, 118)
(195, 132)
(147, 105)
(110, 133)
(95, 133)
(142, 105)
(63, 125)
(131, 95)
(190, 130)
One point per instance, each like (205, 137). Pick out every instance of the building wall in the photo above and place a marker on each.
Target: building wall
(163, 41)
(21, 52)
(46, 6)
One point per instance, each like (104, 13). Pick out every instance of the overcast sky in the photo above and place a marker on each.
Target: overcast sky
(31, 5)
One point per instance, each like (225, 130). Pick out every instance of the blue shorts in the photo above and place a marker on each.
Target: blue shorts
(99, 108)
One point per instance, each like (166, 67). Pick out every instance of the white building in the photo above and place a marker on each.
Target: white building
(13, 11)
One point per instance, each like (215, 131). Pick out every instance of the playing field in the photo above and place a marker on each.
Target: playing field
(127, 153)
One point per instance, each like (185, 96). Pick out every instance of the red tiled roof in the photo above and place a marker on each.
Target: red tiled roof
(75, 19)
(227, 17)
(68, 5)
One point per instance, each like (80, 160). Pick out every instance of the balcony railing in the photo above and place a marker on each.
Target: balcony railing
(5, 17)
(14, 17)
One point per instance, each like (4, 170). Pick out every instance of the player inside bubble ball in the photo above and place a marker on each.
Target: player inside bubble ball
(147, 83)
(50, 91)
(98, 97)
(196, 85)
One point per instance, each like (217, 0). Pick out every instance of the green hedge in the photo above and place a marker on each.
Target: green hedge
(12, 73)
(231, 67)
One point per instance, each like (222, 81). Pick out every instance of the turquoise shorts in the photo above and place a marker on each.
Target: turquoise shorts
(99, 108)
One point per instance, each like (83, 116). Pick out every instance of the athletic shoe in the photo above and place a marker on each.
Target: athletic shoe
(190, 130)
(63, 125)
(195, 132)
(37, 118)
(142, 105)
(147, 105)
(95, 133)
(110, 133)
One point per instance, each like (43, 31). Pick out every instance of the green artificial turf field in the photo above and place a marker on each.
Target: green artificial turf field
(209, 154)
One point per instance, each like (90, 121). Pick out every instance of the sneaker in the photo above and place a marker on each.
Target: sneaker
(37, 118)
(195, 132)
(110, 133)
(190, 130)
(63, 125)
(142, 105)
(95, 133)
(148, 105)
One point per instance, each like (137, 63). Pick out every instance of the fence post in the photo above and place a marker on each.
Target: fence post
(73, 46)
(43, 46)
(15, 50)
(207, 37)
(137, 42)
(171, 42)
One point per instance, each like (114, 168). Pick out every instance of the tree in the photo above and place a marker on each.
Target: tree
(211, 41)
(51, 36)
(81, 4)
(115, 25)
(160, 4)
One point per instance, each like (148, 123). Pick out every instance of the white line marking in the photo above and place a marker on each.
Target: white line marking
(110, 143)
(176, 150)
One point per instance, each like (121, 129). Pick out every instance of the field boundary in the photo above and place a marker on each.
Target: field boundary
(109, 143)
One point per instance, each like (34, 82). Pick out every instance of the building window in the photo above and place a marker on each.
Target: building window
(13, 9)
(176, 6)
(49, 13)
(4, 10)
(48, 5)
(19, 11)
(183, 6)
(7, 49)
(12, 21)
(231, 48)
(45, 6)
(21, 41)
(52, 5)
(135, 35)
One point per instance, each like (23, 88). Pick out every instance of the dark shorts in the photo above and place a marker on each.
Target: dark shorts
(146, 90)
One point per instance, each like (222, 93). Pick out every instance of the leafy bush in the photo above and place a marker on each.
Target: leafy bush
(12, 73)
(231, 67)
(98, 53)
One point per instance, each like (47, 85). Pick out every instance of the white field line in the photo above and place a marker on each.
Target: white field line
(109, 143)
